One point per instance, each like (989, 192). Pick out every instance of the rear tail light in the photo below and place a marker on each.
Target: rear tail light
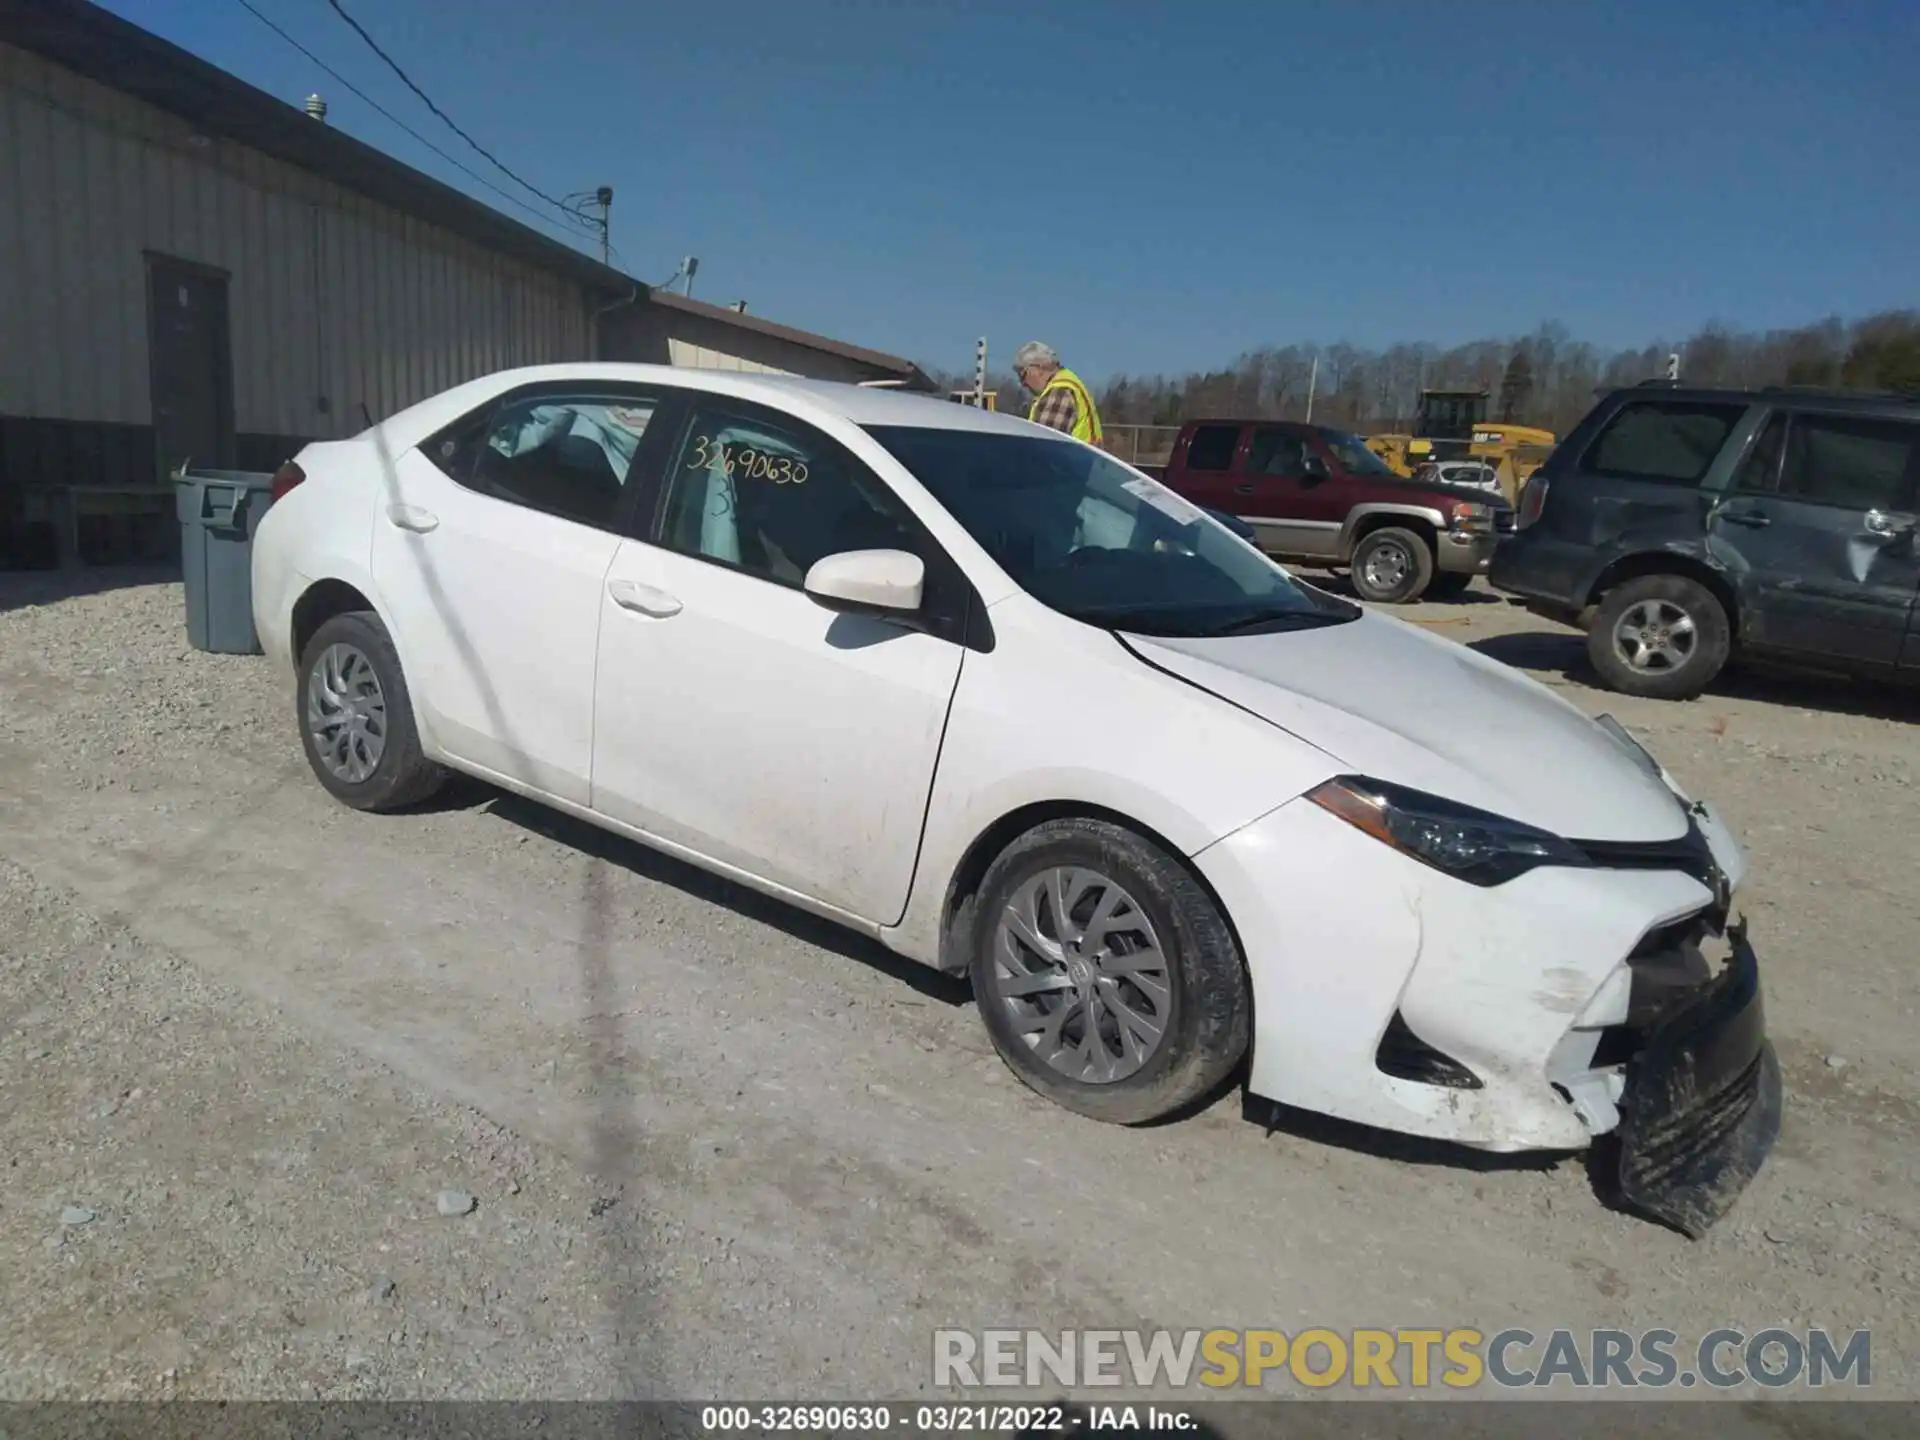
(286, 477)
(1533, 499)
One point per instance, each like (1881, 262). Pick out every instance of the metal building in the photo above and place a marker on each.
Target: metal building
(194, 270)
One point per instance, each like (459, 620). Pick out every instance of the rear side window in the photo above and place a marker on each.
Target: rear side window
(562, 455)
(1671, 444)
(1861, 464)
(1212, 447)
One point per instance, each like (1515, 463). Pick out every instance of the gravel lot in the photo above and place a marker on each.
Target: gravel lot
(717, 1149)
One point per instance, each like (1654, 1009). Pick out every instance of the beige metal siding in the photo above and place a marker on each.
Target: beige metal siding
(702, 357)
(333, 301)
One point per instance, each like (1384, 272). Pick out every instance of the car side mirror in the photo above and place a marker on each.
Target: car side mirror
(889, 581)
(1232, 522)
(1314, 470)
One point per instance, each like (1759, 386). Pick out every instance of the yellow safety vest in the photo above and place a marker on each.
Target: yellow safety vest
(1086, 422)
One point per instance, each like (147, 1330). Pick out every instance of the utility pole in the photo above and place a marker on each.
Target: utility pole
(1313, 381)
(584, 205)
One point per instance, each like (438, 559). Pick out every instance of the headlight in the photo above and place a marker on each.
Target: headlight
(1469, 844)
(1470, 516)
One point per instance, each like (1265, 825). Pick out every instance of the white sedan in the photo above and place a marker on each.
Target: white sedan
(1020, 712)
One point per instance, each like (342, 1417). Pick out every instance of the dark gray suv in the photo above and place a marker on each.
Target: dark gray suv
(1679, 527)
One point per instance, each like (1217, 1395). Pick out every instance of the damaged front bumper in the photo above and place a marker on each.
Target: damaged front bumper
(1702, 1103)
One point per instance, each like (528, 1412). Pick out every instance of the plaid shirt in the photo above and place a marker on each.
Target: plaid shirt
(1058, 410)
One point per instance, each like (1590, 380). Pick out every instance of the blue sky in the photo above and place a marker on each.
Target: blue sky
(1160, 186)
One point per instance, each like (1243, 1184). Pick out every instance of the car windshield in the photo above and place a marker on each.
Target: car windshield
(1090, 538)
(1355, 458)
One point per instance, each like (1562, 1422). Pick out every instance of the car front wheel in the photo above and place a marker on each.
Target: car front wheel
(1105, 974)
(356, 717)
(1391, 566)
(1663, 637)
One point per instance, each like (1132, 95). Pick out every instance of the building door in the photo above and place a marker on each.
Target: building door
(191, 366)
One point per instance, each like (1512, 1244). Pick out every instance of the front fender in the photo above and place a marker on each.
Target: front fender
(1060, 718)
(1395, 510)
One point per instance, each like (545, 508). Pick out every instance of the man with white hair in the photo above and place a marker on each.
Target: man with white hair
(1061, 400)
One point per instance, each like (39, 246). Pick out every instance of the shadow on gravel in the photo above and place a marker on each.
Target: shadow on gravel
(627, 1293)
(1564, 653)
(651, 864)
(20, 589)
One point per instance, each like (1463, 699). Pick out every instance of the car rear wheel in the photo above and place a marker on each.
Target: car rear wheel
(1663, 637)
(1391, 566)
(356, 717)
(1105, 974)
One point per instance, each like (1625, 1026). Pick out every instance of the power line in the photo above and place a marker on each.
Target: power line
(407, 79)
(464, 169)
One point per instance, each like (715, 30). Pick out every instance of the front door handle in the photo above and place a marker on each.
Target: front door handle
(1753, 519)
(1889, 527)
(412, 517)
(1246, 489)
(632, 595)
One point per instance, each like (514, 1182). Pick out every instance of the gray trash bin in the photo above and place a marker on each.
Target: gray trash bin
(219, 511)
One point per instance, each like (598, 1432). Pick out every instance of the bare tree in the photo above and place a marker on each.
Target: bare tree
(1379, 389)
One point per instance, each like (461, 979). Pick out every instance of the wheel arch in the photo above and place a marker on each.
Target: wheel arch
(319, 603)
(1618, 571)
(1363, 520)
(343, 592)
(959, 903)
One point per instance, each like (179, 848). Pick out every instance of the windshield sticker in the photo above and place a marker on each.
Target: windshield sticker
(1163, 500)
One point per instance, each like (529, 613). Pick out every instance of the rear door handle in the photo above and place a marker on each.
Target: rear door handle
(412, 517)
(1753, 519)
(632, 595)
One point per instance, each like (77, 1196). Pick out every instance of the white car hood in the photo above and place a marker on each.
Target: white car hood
(1390, 701)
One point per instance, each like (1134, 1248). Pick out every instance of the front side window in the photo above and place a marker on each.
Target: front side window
(1759, 472)
(1355, 458)
(1670, 444)
(773, 499)
(1858, 463)
(1090, 538)
(562, 455)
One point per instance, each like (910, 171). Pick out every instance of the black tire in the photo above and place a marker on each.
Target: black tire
(1411, 575)
(1448, 585)
(1208, 1015)
(1712, 637)
(403, 775)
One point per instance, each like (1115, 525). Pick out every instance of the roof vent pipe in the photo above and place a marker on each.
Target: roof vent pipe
(317, 108)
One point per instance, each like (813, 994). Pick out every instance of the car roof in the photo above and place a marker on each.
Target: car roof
(1794, 395)
(861, 404)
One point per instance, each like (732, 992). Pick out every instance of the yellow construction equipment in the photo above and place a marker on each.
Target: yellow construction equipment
(1453, 425)
(986, 400)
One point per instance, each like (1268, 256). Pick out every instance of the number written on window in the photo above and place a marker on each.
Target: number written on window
(745, 462)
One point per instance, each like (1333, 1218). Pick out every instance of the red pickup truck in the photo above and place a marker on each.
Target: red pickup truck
(1318, 496)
